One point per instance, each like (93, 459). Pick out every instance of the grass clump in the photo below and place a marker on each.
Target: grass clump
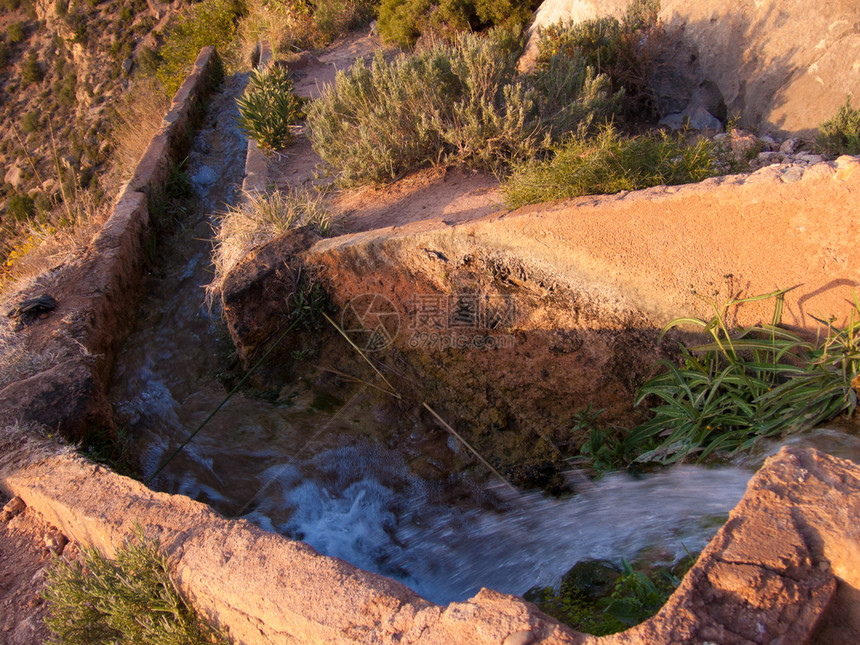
(460, 103)
(268, 108)
(15, 32)
(259, 218)
(131, 599)
(757, 382)
(609, 163)
(136, 119)
(841, 134)
(17, 361)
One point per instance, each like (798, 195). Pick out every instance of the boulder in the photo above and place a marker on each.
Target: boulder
(780, 66)
(256, 293)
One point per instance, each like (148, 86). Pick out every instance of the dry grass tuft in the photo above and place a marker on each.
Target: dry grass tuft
(139, 117)
(17, 362)
(259, 218)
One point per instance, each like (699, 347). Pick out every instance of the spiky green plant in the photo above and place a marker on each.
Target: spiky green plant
(269, 107)
(757, 382)
(131, 599)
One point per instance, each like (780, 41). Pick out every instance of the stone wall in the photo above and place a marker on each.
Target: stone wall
(97, 293)
(783, 569)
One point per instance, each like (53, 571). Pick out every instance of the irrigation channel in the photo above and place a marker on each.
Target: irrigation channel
(324, 473)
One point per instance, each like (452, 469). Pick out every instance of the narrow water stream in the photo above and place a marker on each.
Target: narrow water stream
(319, 475)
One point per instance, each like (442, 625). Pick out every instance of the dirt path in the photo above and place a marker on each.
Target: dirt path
(24, 560)
(437, 195)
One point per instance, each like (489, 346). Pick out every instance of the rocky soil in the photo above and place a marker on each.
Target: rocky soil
(27, 546)
(65, 72)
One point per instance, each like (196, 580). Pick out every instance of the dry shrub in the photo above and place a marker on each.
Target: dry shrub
(139, 117)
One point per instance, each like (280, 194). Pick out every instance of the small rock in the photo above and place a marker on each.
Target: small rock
(769, 142)
(127, 64)
(810, 159)
(14, 175)
(14, 506)
(55, 542)
(523, 637)
(789, 146)
(766, 158)
(791, 175)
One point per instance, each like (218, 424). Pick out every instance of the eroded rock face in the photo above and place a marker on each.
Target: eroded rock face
(256, 293)
(783, 65)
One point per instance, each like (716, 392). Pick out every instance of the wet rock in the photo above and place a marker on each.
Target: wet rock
(591, 578)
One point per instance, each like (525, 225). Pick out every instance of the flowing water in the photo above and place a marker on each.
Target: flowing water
(320, 473)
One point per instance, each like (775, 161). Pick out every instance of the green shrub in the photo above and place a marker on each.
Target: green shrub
(61, 8)
(757, 382)
(65, 89)
(10, 5)
(31, 69)
(30, 122)
(212, 22)
(20, 207)
(331, 18)
(458, 103)
(125, 14)
(624, 50)
(132, 599)
(4, 54)
(15, 32)
(147, 61)
(268, 108)
(841, 134)
(609, 163)
(404, 21)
